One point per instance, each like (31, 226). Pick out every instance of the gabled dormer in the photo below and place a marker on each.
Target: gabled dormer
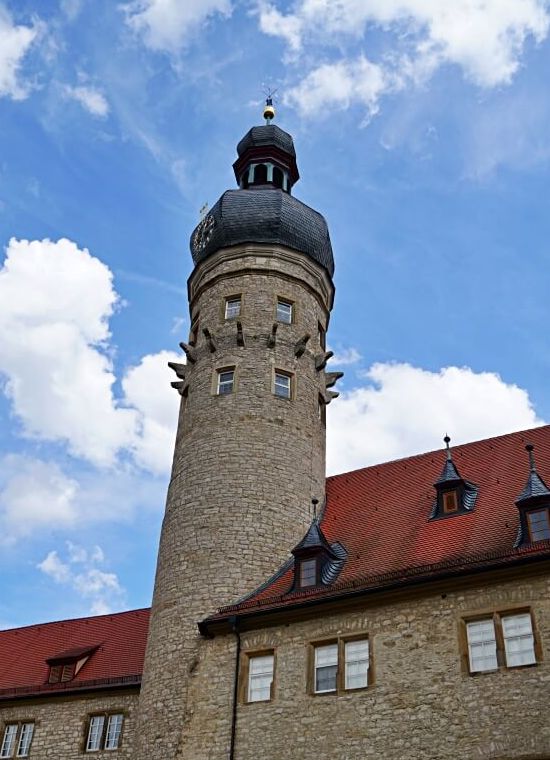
(454, 495)
(66, 665)
(533, 504)
(316, 562)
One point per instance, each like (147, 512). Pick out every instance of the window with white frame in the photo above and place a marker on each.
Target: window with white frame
(232, 307)
(17, 739)
(326, 668)
(260, 677)
(284, 311)
(503, 640)
(356, 656)
(282, 385)
(226, 381)
(104, 732)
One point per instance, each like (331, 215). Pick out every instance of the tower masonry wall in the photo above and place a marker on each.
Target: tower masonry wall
(421, 703)
(245, 469)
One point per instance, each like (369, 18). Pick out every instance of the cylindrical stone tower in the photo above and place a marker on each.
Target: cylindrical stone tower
(250, 447)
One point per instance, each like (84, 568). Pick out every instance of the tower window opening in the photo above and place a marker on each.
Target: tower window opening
(284, 311)
(232, 307)
(322, 410)
(194, 332)
(226, 381)
(538, 522)
(260, 174)
(450, 502)
(322, 336)
(278, 177)
(282, 385)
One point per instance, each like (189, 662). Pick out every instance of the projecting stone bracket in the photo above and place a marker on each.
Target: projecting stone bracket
(271, 340)
(190, 352)
(209, 339)
(179, 369)
(300, 346)
(329, 396)
(331, 378)
(322, 359)
(181, 386)
(240, 335)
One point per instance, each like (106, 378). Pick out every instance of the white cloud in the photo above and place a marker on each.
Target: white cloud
(90, 98)
(56, 300)
(80, 572)
(147, 389)
(15, 42)
(405, 410)
(55, 353)
(168, 24)
(34, 495)
(485, 38)
(345, 356)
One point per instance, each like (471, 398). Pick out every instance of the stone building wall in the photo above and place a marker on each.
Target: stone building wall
(245, 468)
(422, 704)
(60, 729)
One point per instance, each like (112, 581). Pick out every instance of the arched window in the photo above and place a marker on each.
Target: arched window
(260, 174)
(278, 177)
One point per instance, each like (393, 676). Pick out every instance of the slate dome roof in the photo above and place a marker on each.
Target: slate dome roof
(266, 215)
(268, 134)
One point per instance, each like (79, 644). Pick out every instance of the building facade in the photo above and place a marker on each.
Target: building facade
(398, 611)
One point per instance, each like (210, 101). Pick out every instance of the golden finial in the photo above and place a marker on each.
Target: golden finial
(269, 111)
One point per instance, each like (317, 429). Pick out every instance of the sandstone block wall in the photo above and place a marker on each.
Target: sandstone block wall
(60, 729)
(421, 706)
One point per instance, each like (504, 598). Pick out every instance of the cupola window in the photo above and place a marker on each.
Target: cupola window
(455, 496)
(278, 177)
(308, 572)
(533, 504)
(260, 174)
(316, 562)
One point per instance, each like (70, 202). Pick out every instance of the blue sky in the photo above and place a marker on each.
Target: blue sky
(421, 128)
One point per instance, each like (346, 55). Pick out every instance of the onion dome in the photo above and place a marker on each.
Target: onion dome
(263, 210)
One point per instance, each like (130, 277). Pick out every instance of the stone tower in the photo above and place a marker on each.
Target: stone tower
(250, 448)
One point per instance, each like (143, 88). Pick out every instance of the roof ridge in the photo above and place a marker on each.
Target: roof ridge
(422, 454)
(74, 620)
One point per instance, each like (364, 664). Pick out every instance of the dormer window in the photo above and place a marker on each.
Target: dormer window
(308, 572)
(533, 504)
(538, 524)
(66, 665)
(455, 496)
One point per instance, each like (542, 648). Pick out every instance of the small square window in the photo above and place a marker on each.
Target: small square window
(308, 572)
(232, 307)
(284, 311)
(260, 677)
(450, 501)
(538, 522)
(326, 668)
(282, 385)
(226, 381)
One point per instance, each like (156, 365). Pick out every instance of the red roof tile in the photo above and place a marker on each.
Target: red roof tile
(380, 515)
(119, 657)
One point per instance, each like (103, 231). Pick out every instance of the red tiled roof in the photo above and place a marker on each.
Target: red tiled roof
(118, 659)
(380, 515)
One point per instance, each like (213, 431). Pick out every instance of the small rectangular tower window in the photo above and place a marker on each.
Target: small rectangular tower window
(284, 311)
(322, 336)
(232, 307)
(326, 668)
(260, 677)
(356, 655)
(226, 381)
(538, 523)
(282, 384)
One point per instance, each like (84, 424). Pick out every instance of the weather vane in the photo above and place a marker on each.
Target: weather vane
(203, 209)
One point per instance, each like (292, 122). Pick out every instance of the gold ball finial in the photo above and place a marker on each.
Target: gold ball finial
(269, 111)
